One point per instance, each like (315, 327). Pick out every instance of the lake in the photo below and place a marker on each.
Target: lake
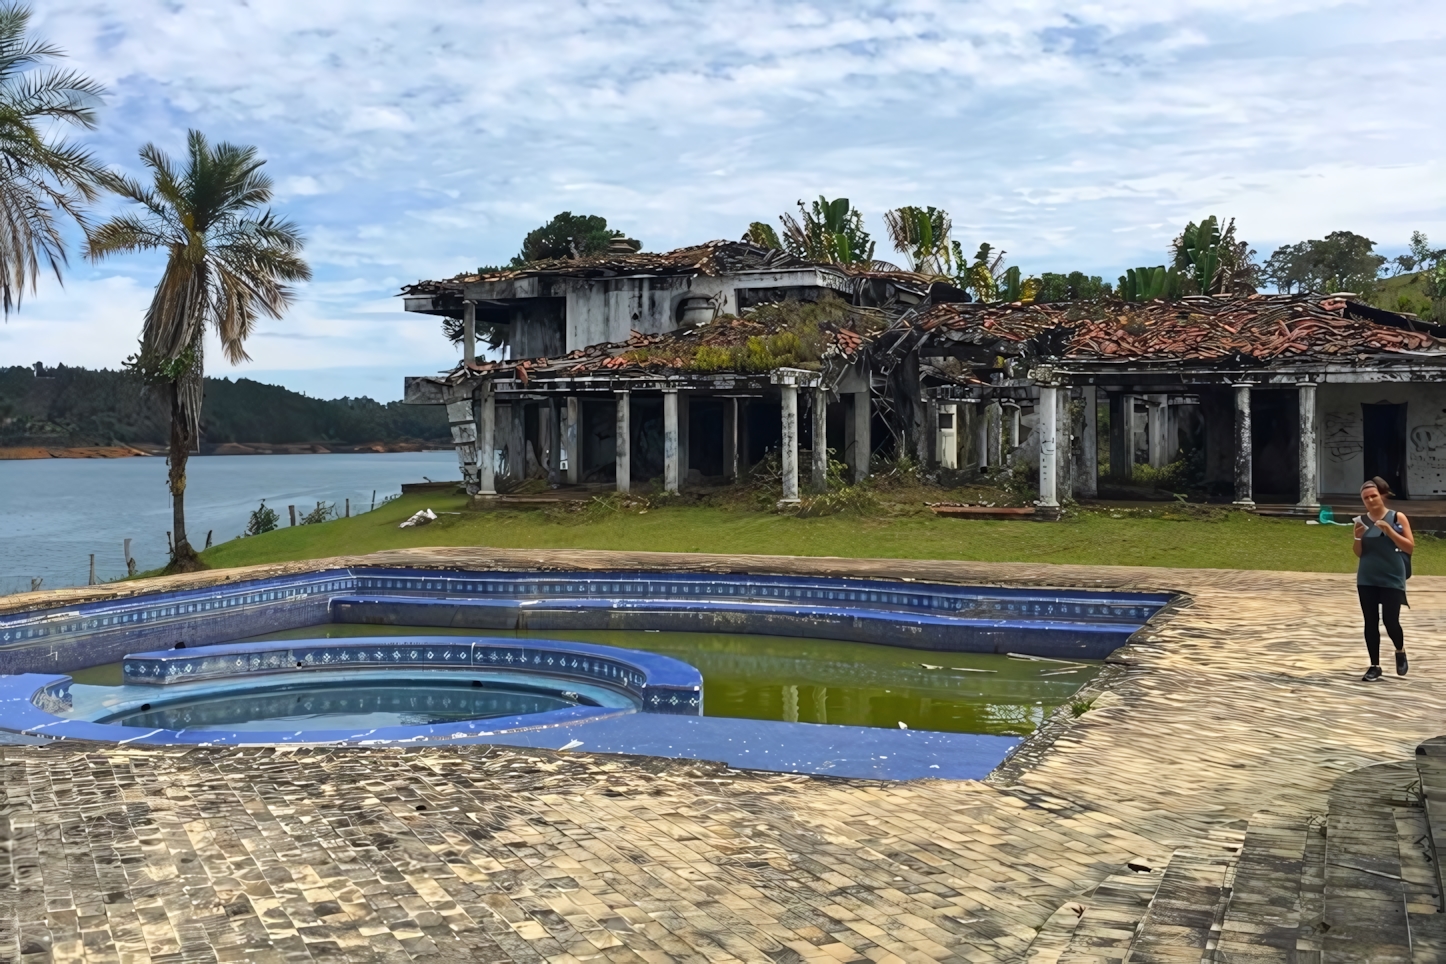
(55, 512)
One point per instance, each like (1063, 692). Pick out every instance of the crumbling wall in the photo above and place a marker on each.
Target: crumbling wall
(1341, 441)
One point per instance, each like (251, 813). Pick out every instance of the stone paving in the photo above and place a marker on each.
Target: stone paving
(1245, 695)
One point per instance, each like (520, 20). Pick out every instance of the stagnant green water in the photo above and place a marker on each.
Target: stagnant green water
(828, 681)
(810, 680)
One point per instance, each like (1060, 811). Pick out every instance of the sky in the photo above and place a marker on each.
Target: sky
(413, 141)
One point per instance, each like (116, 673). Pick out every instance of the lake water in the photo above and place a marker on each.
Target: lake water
(55, 512)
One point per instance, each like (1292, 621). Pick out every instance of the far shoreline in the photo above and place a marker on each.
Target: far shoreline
(27, 452)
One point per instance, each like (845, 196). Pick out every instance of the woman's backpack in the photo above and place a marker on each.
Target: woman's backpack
(1391, 518)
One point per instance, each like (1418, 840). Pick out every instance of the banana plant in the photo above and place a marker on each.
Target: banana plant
(1198, 252)
(831, 232)
(923, 235)
(1149, 284)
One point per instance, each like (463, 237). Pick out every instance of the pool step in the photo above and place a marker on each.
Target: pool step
(1183, 920)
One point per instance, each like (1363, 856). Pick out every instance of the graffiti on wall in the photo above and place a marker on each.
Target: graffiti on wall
(1343, 436)
(1428, 456)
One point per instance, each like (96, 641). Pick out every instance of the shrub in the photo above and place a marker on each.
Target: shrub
(263, 519)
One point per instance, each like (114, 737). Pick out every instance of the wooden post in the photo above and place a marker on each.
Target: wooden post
(290, 508)
(374, 498)
(348, 509)
(92, 570)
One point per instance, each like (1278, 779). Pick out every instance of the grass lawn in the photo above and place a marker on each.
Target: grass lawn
(1164, 536)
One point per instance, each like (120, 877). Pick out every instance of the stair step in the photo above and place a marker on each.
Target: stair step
(1184, 918)
(1266, 911)
(1365, 901)
(1110, 919)
(1431, 771)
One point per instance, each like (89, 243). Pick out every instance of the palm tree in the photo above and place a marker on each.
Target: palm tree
(226, 265)
(43, 178)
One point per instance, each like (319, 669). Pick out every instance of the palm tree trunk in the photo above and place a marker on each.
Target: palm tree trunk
(183, 557)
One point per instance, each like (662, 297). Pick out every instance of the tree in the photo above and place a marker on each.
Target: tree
(226, 265)
(1075, 286)
(1210, 261)
(1342, 261)
(922, 234)
(985, 276)
(828, 232)
(43, 178)
(567, 235)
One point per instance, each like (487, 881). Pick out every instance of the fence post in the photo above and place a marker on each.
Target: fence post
(92, 570)
(348, 509)
(292, 509)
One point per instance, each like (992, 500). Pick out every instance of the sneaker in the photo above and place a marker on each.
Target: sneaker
(1372, 674)
(1401, 662)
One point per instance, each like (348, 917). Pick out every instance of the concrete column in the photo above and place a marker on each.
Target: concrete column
(730, 439)
(487, 444)
(1244, 456)
(1064, 446)
(1011, 426)
(1309, 460)
(789, 448)
(929, 444)
(994, 416)
(819, 401)
(469, 332)
(553, 440)
(1048, 412)
(622, 441)
(463, 423)
(948, 442)
(863, 435)
(571, 433)
(672, 464)
(1087, 482)
(1122, 436)
(1157, 418)
(685, 435)
(981, 436)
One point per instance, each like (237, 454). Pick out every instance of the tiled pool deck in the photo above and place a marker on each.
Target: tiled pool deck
(1245, 695)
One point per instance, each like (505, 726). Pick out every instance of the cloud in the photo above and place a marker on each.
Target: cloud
(416, 142)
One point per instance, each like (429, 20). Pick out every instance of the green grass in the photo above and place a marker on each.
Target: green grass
(1165, 536)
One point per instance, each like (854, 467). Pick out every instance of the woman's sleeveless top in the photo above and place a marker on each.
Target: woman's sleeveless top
(1381, 563)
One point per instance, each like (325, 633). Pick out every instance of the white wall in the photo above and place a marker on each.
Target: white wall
(1341, 442)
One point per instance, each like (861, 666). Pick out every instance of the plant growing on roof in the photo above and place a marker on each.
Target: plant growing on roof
(1212, 262)
(43, 177)
(228, 262)
(762, 234)
(922, 234)
(829, 232)
(567, 235)
(1150, 284)
(987, 278)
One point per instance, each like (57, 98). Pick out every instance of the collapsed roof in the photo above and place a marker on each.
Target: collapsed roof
(1201, 329)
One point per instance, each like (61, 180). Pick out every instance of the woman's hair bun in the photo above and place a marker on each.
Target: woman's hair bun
(1380, 484)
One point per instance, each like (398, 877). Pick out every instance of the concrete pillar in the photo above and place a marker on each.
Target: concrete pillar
(1309, 460)
(1122, 436)
(1087, 480)
(863, 435)
(981, 436)
(929, 443)
(789, 448)
(1048, 412)
(487, 443)
(672, 464)
(1064, 432)
(1244, 456)
(469, 332)
(948, 441)
(1157, 418)
(1011, 426)
(819, 475)
(685, 435)
(571, 433)
(994, 416)
(622, 441)
(730, 439)
(463, 423)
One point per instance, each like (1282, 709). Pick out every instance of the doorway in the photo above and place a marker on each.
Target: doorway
(1384, 428)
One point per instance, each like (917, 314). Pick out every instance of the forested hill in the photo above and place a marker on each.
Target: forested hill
(78, 407)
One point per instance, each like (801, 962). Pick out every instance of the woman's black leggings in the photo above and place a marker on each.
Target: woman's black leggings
(1390, 612)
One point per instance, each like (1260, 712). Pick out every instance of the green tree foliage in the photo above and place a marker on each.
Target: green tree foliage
(1342, 261)
(567, 235)
(762, 234)
(44, 179)
(982, 276)
(1075, 286)
(922, 235)
(1210, 260)
(78, 406)
(228, 261)
(1419, 256)
(828, 232)
(263, 519)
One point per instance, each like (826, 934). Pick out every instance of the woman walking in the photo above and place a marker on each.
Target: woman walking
(1383, 545)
